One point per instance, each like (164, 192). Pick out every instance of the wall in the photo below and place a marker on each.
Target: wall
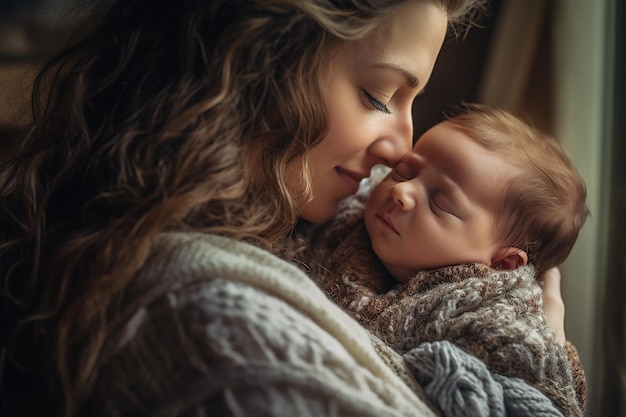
(582, 111)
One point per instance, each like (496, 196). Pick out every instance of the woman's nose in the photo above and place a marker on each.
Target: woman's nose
(403, 195)
(396, 140)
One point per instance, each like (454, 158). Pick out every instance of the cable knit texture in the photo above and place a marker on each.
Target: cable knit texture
(496, 316)
(463, 386)
(213, 326)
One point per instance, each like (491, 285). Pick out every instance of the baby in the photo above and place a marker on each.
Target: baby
(447, 247)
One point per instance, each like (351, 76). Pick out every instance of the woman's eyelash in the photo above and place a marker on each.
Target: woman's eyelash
(376, 104)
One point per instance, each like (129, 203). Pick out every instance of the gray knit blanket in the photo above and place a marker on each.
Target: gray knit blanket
(495, 316)
(462, 386)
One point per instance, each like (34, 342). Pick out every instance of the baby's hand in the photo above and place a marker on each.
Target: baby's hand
(553, 306)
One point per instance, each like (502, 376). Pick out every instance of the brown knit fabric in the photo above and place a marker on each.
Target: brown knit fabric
(580, 382)
(495, 315)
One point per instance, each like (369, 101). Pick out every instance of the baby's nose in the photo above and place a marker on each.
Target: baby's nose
(403, 196)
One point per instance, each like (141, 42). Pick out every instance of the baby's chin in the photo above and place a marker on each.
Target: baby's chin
(400, 275)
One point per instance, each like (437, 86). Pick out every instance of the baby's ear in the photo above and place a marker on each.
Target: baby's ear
(509, 258)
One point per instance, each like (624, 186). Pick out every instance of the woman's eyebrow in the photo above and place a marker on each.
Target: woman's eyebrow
(411, 79)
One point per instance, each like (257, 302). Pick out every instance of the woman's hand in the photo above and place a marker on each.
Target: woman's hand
(553, 306)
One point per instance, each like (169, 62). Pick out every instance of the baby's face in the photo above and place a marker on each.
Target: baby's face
(437, 206)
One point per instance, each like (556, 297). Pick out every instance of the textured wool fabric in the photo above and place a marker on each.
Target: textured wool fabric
(496, 316)
(462, 386)
(217, 327)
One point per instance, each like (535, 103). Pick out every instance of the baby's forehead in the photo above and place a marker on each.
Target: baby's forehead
(439, 131)
(446, 137)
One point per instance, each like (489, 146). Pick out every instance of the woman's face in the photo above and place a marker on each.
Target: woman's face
(369, 88)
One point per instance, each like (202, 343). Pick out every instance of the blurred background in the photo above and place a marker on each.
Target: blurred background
(558, 64)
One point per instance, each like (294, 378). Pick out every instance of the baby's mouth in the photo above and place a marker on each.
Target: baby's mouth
(386, 221)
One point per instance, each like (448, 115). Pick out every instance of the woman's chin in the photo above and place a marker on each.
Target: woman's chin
(318, 213)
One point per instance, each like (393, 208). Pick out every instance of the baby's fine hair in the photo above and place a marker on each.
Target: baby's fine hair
(542, 209)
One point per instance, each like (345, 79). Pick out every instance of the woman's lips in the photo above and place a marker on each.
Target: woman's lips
(386, 221)
(350, 178)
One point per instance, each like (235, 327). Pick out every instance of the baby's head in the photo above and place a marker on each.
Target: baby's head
(481, 186)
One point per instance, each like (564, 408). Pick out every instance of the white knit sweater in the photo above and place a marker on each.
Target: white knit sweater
(216, 327)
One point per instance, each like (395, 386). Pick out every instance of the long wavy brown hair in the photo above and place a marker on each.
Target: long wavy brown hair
(168, 115)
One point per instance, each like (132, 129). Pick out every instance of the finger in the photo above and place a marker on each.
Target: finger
(551, 281)
(553, 306)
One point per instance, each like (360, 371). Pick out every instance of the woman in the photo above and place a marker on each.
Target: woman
(169, 140)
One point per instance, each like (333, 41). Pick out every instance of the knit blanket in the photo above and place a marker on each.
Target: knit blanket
(214, 326)
(462, 386)
(496, 316)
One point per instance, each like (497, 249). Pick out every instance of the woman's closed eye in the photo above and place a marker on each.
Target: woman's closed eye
(376, 104)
